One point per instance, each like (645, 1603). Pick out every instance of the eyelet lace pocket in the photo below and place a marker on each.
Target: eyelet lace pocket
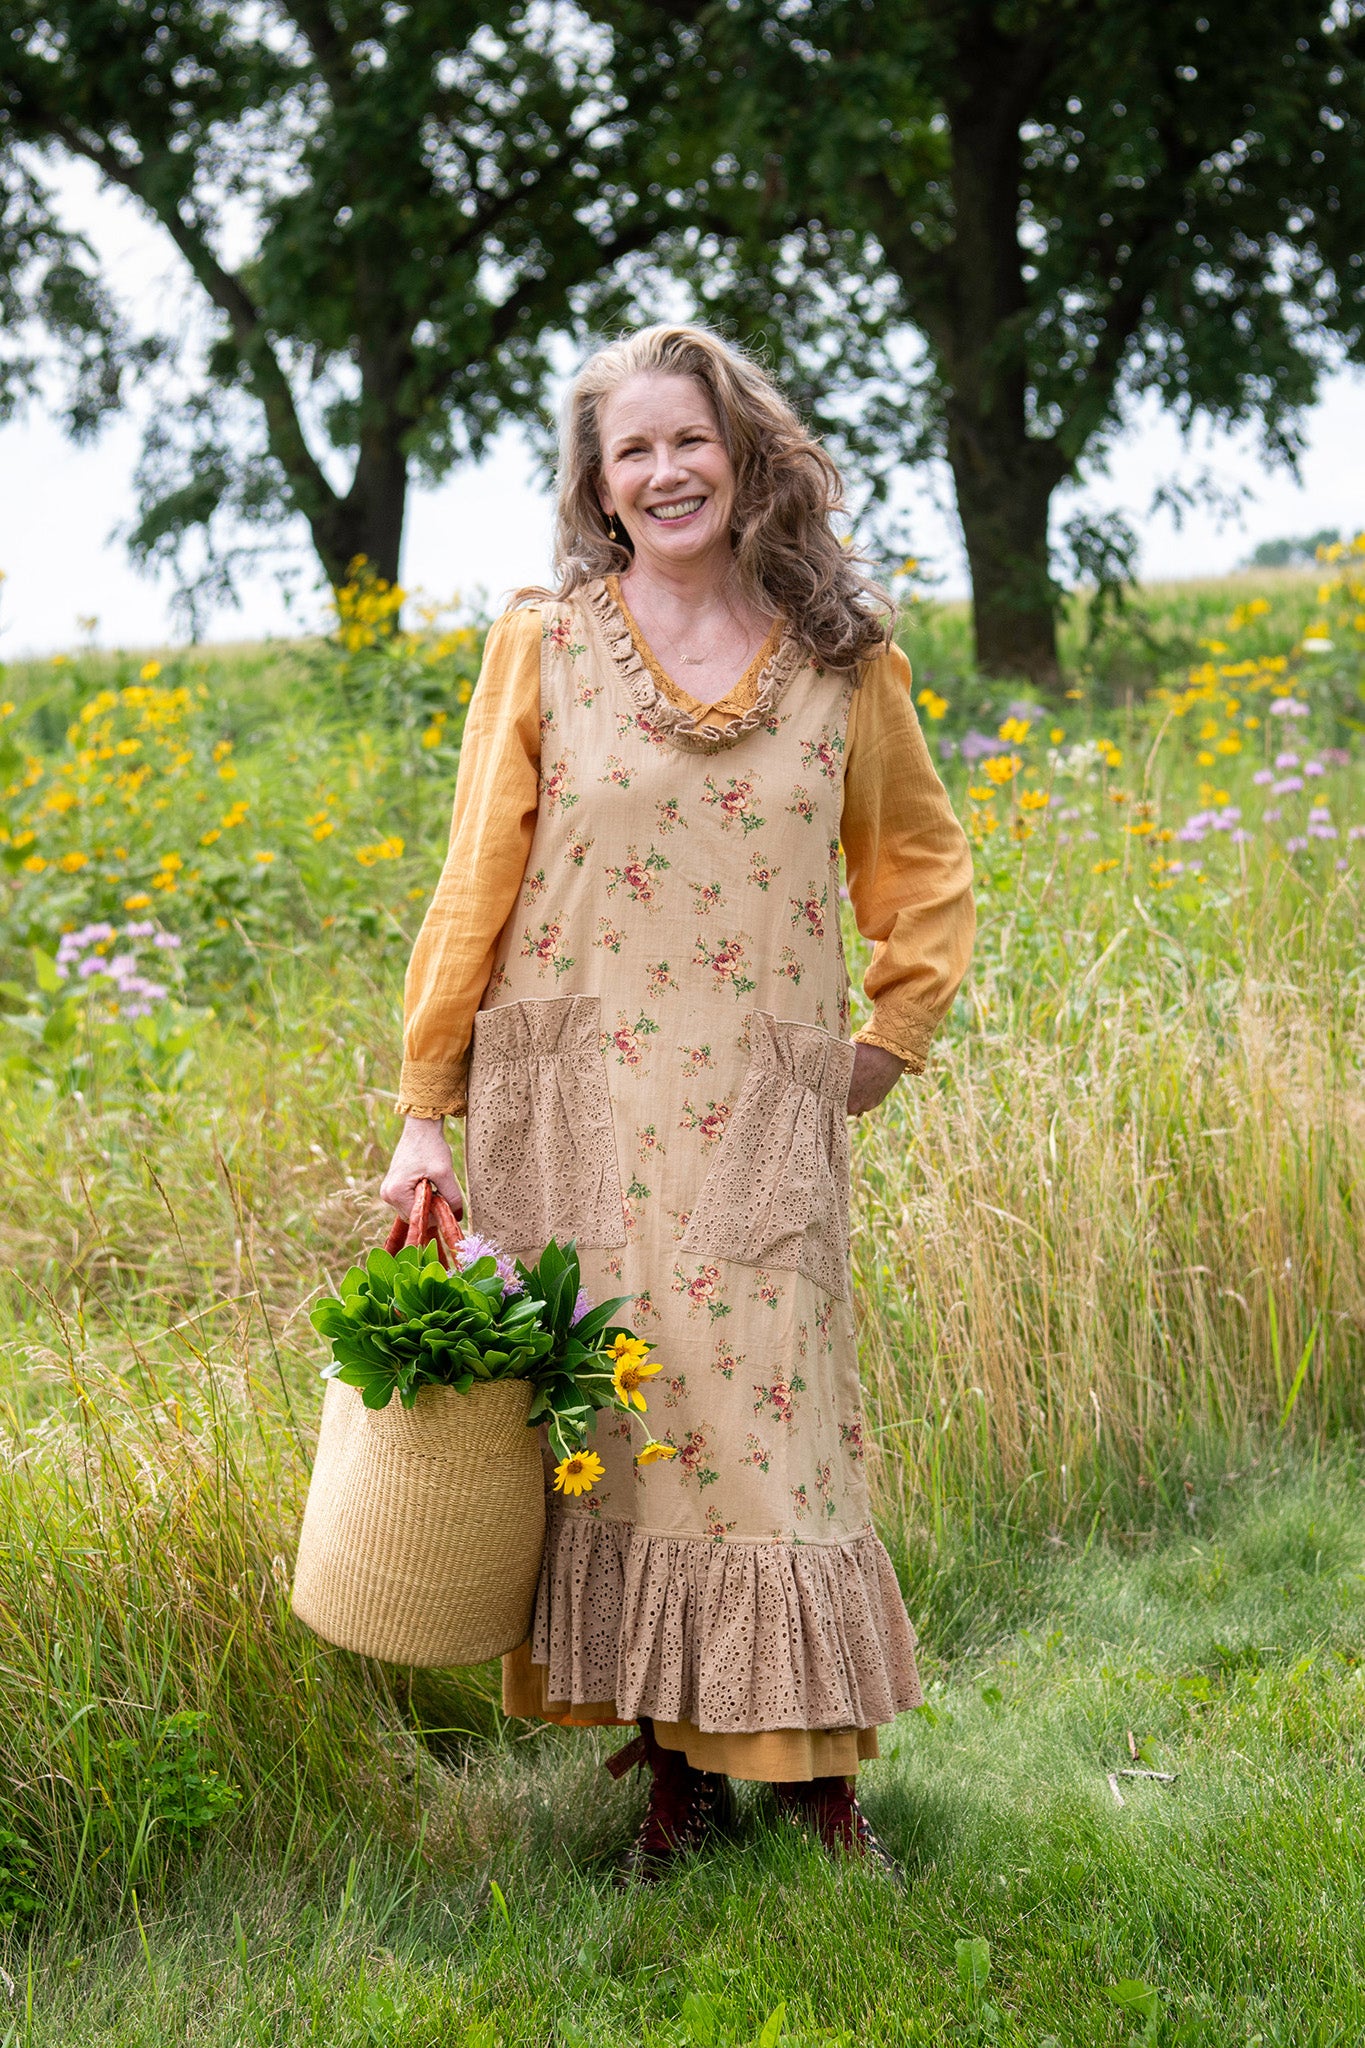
(540, 1141)
(778, 1192)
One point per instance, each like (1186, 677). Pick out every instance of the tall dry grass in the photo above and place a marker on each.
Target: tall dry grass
(1079, 1260)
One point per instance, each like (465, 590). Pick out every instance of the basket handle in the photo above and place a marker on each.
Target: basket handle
(432, 1217)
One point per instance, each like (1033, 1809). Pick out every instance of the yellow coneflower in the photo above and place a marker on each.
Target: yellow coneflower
(627, 1377)
(578, 1474)
(654, 1451)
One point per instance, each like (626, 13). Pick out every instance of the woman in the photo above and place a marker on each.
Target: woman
(631, 977)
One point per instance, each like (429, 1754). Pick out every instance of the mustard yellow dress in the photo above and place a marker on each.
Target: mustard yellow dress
(631, 980)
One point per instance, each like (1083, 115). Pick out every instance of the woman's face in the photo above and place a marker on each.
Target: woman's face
(666, 474)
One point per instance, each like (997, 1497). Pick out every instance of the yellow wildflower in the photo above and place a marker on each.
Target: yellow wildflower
(138, 902)
(264, 859)
(1002, 768)
(931, 704)
(35, 864)
(149, 671)
(631, 1367)
(383, 849)
(1034, 800)
(1103, 867)
(654, 1451)
(71, 862)
(1056, 735)
(1014, 731)
(207, 838)
(579, 1473)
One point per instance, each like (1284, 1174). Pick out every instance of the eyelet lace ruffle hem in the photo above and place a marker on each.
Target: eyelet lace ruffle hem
(672, 722)
(735, 1637)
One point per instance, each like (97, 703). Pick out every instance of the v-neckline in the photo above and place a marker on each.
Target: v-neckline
(720, 711)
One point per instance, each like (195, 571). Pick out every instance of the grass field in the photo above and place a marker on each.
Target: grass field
(1112, 1292)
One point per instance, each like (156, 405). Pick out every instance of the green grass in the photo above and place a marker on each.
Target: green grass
(1111, 1283)
(1231, 1651)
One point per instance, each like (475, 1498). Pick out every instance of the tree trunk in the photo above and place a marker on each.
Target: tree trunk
(1003, 495)
(1004, 475)
(368, 521)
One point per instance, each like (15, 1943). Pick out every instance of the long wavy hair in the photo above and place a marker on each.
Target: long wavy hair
(788, 561)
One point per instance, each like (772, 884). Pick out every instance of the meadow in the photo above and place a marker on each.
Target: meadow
(1112, 1295)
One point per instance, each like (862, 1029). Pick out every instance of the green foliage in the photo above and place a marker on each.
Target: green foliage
(19, 1897)
(170, 1778)
(1070, 210)
(403, 1322)
(575, 1379)
(422, 195)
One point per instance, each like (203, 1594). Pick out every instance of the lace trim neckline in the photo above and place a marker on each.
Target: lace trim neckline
(673, 712)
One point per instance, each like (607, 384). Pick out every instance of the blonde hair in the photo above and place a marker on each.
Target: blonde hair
(789, 562)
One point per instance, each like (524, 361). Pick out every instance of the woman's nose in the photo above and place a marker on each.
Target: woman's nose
(668, 468)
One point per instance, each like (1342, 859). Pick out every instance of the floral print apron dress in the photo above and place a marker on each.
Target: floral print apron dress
(660, 1071)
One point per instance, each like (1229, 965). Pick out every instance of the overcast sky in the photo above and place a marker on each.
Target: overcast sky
(487, 528)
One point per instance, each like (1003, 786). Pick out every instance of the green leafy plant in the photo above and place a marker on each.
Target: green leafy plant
(19, 1899)
(179, 1790)
(404, 1321)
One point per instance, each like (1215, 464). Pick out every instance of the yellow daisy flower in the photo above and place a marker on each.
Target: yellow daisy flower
(652, 1453)
(630, 1370)
(578, 1474)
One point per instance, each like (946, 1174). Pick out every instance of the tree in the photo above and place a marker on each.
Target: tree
(1079, 201)
(386, 210)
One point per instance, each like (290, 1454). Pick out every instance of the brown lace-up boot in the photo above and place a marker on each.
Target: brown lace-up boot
(826, 1809)
(686, 1806)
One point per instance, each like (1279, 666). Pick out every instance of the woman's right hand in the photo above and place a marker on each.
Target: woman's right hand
(422, 1153)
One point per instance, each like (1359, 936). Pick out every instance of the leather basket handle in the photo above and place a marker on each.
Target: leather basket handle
(432, 1217)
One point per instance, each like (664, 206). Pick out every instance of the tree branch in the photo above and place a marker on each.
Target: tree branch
(313, 494)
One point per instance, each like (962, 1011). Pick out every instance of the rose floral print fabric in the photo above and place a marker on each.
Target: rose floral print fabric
(660, 1070)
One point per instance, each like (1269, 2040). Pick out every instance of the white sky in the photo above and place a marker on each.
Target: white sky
(488, 527)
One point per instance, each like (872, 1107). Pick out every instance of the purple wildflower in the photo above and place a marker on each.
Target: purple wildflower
(1272, 816)
(582, 1305)
(1262, 776)
(166, 942)
(977, 745)
(1286, 784)
(1287, 707)
(1286, 760)
(141, 930)
(1336, 757)
(1313, 768)
(472, 1248)
(1295, 845)
(1356, 832)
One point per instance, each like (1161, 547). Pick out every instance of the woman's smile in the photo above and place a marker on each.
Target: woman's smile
(675, 509)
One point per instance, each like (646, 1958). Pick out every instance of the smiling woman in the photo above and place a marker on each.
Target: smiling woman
(631, 978)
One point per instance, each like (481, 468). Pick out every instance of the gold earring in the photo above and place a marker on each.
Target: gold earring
(613, 531)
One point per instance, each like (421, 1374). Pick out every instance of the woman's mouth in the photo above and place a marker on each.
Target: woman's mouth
(680, 508)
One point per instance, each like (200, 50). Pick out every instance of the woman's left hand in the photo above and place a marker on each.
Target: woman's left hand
(875, 1073)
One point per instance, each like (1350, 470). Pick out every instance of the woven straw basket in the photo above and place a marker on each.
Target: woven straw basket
(423, 1532)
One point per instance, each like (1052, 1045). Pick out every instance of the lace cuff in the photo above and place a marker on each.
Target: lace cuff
(900, 1028)
(433, 1088)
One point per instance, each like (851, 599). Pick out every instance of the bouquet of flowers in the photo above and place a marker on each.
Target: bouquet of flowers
(460, 1312)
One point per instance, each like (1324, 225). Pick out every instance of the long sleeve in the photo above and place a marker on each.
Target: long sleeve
(909, 866)
(494, 821)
